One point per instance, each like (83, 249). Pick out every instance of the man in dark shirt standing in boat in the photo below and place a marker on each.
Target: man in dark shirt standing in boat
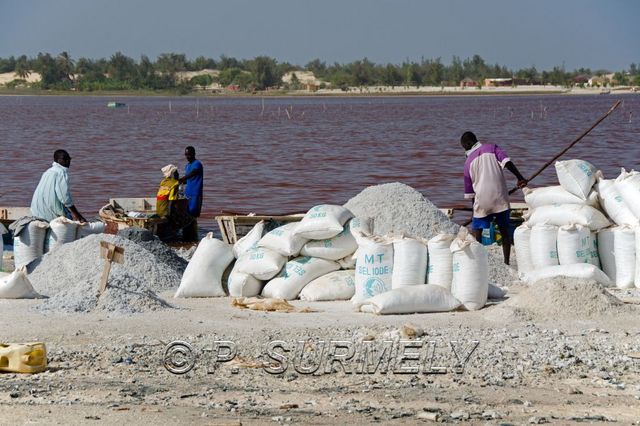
(193, 176)
(484, 183)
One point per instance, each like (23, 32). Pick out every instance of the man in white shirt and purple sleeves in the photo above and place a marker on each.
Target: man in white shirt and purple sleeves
(484, 183)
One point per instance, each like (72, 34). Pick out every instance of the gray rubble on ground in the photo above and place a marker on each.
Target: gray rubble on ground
(166, 255)
(561, 298)
(136, 234)
(70, 277)
(398, 208)
(499, 273)
(508, 362)
(152, 243)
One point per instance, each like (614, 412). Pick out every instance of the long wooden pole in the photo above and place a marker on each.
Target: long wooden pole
(567, 148)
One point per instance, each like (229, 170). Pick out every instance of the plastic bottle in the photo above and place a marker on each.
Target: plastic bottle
(23, 358)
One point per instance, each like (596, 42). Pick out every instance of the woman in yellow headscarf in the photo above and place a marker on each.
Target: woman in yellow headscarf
(168, 190)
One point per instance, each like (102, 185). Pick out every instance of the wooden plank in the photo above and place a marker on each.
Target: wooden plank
(110, 253)
(104, 278)
(256, 219)
(231, 230)
(14, 213)
(221, 227)
(234, 227)
(134, 204)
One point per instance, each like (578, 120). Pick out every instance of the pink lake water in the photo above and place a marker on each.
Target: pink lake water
(293, 153)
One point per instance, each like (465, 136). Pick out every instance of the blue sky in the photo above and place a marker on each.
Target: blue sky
(544, 33)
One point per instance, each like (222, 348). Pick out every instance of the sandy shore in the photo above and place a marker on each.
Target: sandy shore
(470, 91)
(110, 368)
(10, 76)
(352, 91)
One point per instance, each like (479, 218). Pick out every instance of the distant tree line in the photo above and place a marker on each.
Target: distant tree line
(120, 72)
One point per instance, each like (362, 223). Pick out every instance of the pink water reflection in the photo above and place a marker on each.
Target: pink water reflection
(327, 152)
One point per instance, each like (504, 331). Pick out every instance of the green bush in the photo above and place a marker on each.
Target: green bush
(106, 84)
(228, 76)
(16, 82)
(184, 88)
(201, 80)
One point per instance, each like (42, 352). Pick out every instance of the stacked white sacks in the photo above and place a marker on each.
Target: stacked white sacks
(321, 238)
(203, 275)
(249, 241)
(90, 228)
(28, 245)
(470, 283)
(314, 260)
(560, 224)
(61, 231)
(604, 234)
(374, 267)
(619, 244)
(283, 261)
(574, 244)
(337, 285)
(457, 276)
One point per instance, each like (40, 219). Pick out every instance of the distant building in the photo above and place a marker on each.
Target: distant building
(468, 82)
(498, 82)
(600, 80)
(312, 87)
(522, 81)
(581, 79)
(213, 88)
(188, 75)
(305, 79)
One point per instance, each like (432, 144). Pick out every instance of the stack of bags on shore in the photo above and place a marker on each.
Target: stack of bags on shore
(298, 253)
(281, 262)
(587, 227)
(331, 255)
(399, 274)
(33, 237)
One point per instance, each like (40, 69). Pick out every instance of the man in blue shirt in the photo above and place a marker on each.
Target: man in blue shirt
(52, 197)
(193, 176)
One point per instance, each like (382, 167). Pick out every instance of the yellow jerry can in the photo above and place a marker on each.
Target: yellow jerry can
(23, 357)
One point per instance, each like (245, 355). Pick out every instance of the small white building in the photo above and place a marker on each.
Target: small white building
(306, 79)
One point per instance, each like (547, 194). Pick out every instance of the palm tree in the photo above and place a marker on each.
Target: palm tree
(22, 67)
(65, 66)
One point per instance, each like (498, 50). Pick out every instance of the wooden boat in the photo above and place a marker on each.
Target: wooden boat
(518, 210)
(117, 214)
(234, 226)
(10, 214)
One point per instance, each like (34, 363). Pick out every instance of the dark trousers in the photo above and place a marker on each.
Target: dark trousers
(190, 232)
